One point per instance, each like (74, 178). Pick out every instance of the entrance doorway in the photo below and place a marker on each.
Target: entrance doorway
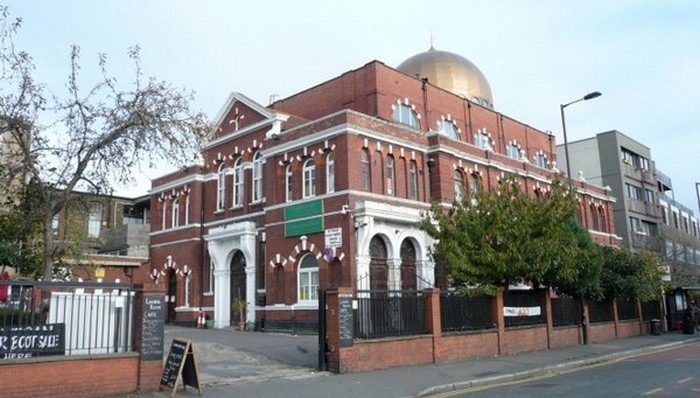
(238, 285)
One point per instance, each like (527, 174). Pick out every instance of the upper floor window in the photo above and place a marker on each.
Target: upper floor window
(308, 278)
(634, 192)
(364, 162)
(289, 183)
(412, 180)
(482, 139)
(257, 177)
(238, 182)
(541, 160)
(474, 183)
(175, 222)
(649, 195)
(405, 114)
(165, 211)
(675, 220)
(390, 176)
(513, 151)
(330, 173)
(634, 159)
(309, 188)
(221, 187)
(447, 127)
(458, 183)
(95, 220)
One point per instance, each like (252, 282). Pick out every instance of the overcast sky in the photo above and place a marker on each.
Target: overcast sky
(644, 56)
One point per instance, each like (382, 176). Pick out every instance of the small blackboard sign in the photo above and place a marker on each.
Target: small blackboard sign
(152, 328)
(345, 321)
(180, 365)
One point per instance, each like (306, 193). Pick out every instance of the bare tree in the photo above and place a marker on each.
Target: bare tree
(87, 139)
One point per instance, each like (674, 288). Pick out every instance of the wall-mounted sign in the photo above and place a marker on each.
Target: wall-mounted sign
(334, 238)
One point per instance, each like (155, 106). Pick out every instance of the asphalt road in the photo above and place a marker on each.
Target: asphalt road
(671, 373)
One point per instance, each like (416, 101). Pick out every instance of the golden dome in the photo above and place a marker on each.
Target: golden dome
(451, 72)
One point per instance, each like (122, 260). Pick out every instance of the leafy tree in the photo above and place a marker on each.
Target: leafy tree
(88, 139)
(630, 275)
(506, 236)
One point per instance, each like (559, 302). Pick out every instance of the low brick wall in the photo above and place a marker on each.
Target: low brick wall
(57, 377)
(436, 347)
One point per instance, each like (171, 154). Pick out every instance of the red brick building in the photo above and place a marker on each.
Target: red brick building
(325, 188)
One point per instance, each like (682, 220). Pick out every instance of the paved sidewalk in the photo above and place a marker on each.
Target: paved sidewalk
(234, 364)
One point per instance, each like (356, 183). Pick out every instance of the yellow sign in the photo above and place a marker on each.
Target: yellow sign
(100, 273)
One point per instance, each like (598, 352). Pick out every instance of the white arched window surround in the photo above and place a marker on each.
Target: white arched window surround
(330, 173)
(257, 176)
(448, 128)
(221, 187)
(309, 172)
(288, 181)
(405, 114)
(238, 182)
(307, 281)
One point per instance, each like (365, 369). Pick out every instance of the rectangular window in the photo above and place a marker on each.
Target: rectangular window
(364, 162)
(390, 176)
(675, 220)
(541, 161)
(176, 214)
(412, 181)
(95, 221)
(649, 195)
(634, 192)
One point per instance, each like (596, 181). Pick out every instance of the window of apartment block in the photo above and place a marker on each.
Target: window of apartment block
(635, 224)
(238, 182)
(221, 187)
(412, 180)
(364, 163)
(695, 228)
(390, 176)
(288, 181)
(309, 172)
(664, 214)
(634, 192)
(95, 220)
(405, 114)
(330, 173)
(257, 177)
(675, 220)
(649, 195)
(686, 226)
(308, 279)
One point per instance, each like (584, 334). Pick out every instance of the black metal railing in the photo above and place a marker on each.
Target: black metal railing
(58, 318)
(599, 311)
(566, 311)
(651, 310)
(626, 309)
(389, 314)
(522, 308)
(459, 312)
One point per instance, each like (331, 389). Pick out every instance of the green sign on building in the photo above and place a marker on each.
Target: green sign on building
(303, 218)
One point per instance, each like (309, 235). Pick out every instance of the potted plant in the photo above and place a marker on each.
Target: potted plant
(240, 306)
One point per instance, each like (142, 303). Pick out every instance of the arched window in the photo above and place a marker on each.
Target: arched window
(221, 187)
(408, 265)
(412, 180)
(593, 217)
(602, 225)
(364, 161)
(458, 183)
(541, 160)
(448, 128)
(378, 269)
(474, 183)
(482, 139)
(513, 151)
(176, 214)
(309, 178)
(238, 182)
(405, 114)
(330, 173)
(165, 211)
(308, 279)
(288, 181)
(390, 176)
(257, 177)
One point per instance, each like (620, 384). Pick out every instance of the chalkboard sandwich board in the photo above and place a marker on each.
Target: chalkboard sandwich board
(180, 365)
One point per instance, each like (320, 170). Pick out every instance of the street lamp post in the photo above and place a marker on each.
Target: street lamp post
(589, 96)
(594, 94)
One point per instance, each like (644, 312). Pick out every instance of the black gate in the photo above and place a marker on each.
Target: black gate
(322, 347)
